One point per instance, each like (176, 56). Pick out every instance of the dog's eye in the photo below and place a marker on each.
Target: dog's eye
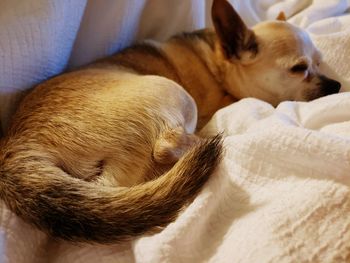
(299, 68)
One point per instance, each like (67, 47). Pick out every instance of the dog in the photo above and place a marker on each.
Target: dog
(109, 151)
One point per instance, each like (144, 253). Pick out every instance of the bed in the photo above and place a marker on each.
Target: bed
(282, 191)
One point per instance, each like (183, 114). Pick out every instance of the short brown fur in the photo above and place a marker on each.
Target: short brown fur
(108, 152)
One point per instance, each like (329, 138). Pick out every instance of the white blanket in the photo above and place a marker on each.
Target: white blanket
(281, 193)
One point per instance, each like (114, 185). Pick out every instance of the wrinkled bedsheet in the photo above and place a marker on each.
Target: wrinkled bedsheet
(282, 191)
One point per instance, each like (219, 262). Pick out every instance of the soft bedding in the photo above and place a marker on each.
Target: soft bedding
(282, 192)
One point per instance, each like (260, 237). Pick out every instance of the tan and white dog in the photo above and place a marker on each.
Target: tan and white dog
(83, 157)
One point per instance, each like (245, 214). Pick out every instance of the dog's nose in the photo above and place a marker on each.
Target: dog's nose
(332, 86)
(329, 86)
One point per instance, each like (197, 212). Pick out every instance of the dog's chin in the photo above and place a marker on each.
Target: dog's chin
(330, 90)
(320, 92)
(325, 87)
(320, 86)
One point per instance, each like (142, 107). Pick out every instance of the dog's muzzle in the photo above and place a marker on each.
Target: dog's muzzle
(329, 86)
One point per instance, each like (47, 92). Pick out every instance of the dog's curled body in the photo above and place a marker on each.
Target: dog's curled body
(123, 121)
(105, 135)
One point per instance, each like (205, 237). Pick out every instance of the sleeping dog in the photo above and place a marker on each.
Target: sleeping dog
(108, 151)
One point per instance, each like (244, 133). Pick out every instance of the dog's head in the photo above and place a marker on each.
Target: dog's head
(274, 61)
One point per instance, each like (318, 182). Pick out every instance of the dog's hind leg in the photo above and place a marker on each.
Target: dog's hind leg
(172, 144)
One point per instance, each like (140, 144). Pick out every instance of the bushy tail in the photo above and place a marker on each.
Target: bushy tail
(76, 210)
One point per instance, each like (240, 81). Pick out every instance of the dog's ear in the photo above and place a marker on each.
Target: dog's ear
(233, 34)
(281, 16)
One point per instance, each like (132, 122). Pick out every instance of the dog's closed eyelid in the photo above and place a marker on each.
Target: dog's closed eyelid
(299, 68)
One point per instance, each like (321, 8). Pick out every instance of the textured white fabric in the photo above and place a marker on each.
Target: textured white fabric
(36, 39)
(282, 191)
(280, 195)
(39, 38)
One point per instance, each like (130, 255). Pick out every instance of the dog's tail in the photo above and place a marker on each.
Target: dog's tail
(76, 210)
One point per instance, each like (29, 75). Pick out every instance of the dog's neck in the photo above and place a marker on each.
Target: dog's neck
(188, 59)
(200, 73)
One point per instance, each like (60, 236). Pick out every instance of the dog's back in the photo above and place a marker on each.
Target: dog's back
(71, 129)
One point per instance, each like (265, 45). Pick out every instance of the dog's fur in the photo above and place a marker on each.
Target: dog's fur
(79, 139)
